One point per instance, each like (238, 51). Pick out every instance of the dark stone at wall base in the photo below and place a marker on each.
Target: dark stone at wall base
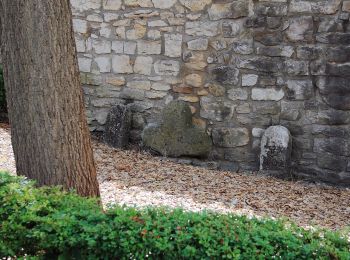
(317, 174)
(276, 149)
(117, 128)
(175, 135)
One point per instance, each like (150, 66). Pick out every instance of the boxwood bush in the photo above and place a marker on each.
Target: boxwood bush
(47, 223)
(2, 91)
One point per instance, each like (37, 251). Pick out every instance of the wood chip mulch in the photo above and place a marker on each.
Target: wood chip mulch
(139, 179)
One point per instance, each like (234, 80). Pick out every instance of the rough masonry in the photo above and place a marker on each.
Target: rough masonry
(241, 65)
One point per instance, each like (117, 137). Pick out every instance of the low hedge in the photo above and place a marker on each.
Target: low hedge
(48, 223)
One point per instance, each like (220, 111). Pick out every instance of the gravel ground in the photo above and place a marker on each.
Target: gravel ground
(139, 179)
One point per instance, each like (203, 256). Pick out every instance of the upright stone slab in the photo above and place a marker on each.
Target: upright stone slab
(117, 128)
(175, 135)
(276, 149)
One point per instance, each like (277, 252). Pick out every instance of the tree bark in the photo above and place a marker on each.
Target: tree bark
(50, 136)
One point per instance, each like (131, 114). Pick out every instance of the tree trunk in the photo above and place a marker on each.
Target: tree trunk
(50, 135)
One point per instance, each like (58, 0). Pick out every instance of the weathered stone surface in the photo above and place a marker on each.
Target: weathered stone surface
(84, 64)
(175, 135)
(333, 145)
(269, 65)
(198, 44)
(334, 38)
(103, 63)
(249, 80)
(267, 94)
(112, 5)
(271, 9)
(214, 108)
(143, 65)
(216, 90)
(167, 67)
(300, 28)
(121, 64)
(299, 89)
(291, 110)
(118, 125)
(149, 47)
(138, 3)
(83, 5)
(332, 162)
(316, 7)
(80, 26)
(335, 91)
(163, 4)
(226, 75)
(173, 45)
(276, 149)
(195, 5)
(280, 51)
(230, 137)
(203, 28)
(237, 94)
(232, 10)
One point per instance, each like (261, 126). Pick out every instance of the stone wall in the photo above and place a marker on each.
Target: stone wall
(241, 65)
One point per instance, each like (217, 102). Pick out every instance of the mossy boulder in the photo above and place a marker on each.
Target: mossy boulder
(175, 135)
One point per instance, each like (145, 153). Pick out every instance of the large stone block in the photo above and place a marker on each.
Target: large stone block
(173, 45)
(271, 9)
(300, 28)
(230, 137)
(335, 91)
(202, 28)
(267, 94)
(167, 67)
(261, 64)
(226, 75)
(333, 145)
(276, 149)
(117, 128)
(175, 135)
(334, 38)
(195, 5)
(214, 108)
(299, 89)
(231, 10)
(163, 4)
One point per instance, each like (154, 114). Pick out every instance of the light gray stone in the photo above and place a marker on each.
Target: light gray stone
(163, 4)
(149, 47)
(103, 63)
(198, 44)
(121, 64)
(84, 64)
(249, 80)
(276, 149)
(167, 67)
(202, 28)
(267, 94)
(143, 65)
(112, 5)
(173, 45)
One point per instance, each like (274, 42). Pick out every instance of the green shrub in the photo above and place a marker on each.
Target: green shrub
(2, 91)
(50, 224)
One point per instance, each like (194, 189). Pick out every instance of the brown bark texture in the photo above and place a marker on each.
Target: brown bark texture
(50, 136)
